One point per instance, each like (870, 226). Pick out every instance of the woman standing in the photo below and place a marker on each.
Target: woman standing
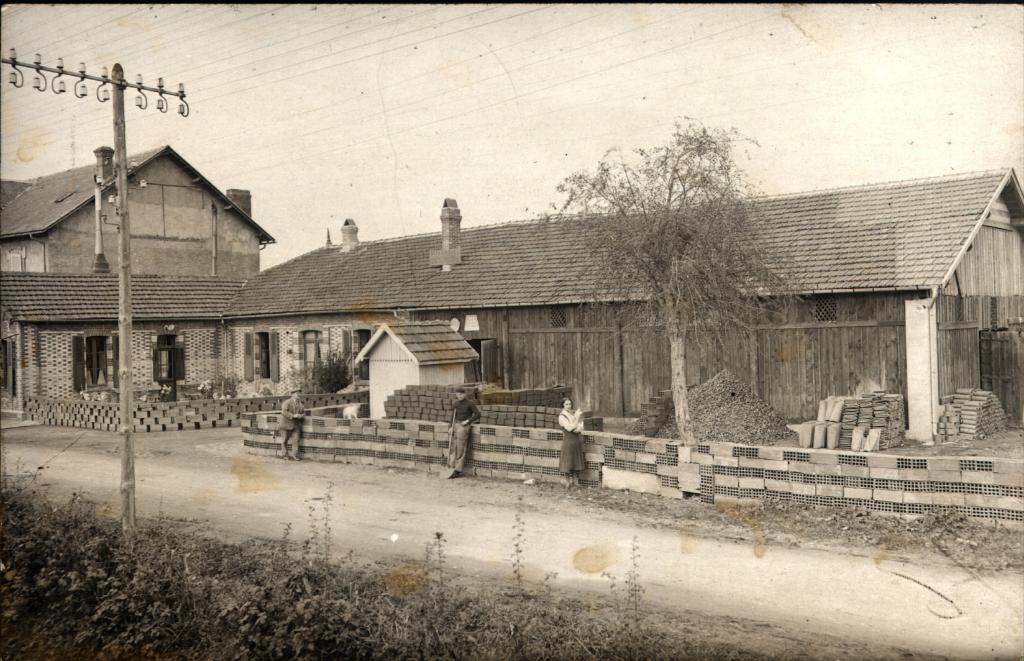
(571, 461)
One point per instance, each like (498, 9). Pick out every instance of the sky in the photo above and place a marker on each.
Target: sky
(380, 112)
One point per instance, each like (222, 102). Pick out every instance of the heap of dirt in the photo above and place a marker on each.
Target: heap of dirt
(725, 410)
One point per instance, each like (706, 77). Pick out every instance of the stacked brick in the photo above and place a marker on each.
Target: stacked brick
(978, 413)
(875, 410)
(518, 408)
(655, 413)
(986, 488)
(172, 416)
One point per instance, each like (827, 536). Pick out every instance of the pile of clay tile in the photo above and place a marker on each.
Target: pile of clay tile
(874, 410)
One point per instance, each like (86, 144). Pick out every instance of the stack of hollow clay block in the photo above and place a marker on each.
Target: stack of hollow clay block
(978, 412)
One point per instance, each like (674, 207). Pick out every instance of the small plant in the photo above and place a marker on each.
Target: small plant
(437, 549)
(518, 538)
(634, 591)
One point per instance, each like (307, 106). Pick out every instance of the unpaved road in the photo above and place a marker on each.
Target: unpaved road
(871, 601)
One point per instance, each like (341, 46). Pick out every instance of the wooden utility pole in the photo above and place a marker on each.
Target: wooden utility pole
(124, 310)
(58, 85)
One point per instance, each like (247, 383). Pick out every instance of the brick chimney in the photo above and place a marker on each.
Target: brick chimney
(349, 235)
(104, 172)
(242, 199)
(450, 253)
(104, 162)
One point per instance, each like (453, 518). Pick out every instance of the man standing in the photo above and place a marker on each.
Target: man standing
(291, 425)
(465, 414)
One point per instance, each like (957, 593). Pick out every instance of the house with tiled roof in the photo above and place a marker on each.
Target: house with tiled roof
(59, 333)
(895, 282)
(181, 223)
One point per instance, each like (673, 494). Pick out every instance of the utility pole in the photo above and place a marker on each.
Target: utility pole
(124, 309)
(124, 319)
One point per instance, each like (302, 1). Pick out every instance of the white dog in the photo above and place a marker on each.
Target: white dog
(351, 412)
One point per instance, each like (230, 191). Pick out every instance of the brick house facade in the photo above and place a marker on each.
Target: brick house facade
(59, 334)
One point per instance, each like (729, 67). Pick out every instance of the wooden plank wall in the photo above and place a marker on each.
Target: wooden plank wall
(615, 366)
(798, 367)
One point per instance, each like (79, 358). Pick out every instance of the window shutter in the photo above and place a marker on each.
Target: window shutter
(275, 371)
(156, 357)
(114, 351)
(179, 358)
(248, 357)
(78, 362)
(324, 347)
(346, 341)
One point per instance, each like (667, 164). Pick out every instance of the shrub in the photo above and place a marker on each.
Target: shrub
(332, 373)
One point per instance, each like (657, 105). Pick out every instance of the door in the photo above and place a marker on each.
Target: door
(1001, 357)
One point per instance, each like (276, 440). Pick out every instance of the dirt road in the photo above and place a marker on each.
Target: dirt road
(923, 607)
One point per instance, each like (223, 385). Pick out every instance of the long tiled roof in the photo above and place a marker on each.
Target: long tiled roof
(430, 342)
(902, 235)
(49, 199)
(88, 297)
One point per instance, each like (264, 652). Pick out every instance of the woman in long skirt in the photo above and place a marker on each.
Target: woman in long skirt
(571, 462)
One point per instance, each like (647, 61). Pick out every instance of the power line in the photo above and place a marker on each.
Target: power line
(504, 73)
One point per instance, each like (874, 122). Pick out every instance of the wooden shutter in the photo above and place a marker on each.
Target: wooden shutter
(156, 357)
(346, 341)
(78, 362)
(324, 346)
(178, 367)
(275, 368)
(114, 351)
(248, 366)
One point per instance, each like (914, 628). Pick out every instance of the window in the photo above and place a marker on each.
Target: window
(825, 308)
(362, 337)
(96, 361)
(261, 356)
(309, 349)
(7, 366)
(559, 317)
(260, 359)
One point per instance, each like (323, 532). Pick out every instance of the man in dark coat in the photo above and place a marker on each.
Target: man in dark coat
(466, 413)
(291, 424)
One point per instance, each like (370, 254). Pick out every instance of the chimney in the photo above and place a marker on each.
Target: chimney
(329, 244)
(104, 162)
(242, 199)
(349, 235)
(104, 172)
(450, 252)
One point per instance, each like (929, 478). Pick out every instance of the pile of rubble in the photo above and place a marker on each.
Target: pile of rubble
(724, 409)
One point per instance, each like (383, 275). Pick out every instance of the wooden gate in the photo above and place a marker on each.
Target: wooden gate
(1001, 355)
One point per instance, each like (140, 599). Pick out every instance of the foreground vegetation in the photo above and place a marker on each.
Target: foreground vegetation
(72, 589)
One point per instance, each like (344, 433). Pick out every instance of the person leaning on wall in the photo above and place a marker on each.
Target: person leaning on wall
(465, 414)
(571, 461)
(291, 424)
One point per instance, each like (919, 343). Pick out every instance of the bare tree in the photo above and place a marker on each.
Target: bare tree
(671, 227)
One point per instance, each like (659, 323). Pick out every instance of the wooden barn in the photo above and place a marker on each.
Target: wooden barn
(897, 283)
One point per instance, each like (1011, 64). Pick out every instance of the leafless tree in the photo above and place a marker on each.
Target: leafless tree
(672, 227)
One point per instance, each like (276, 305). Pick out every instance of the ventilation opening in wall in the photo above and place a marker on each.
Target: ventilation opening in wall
(825, 308)
(559, 318)
(993, 312)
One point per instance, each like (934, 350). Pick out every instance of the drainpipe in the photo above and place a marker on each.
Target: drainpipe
(933, 342)
(213, 206)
